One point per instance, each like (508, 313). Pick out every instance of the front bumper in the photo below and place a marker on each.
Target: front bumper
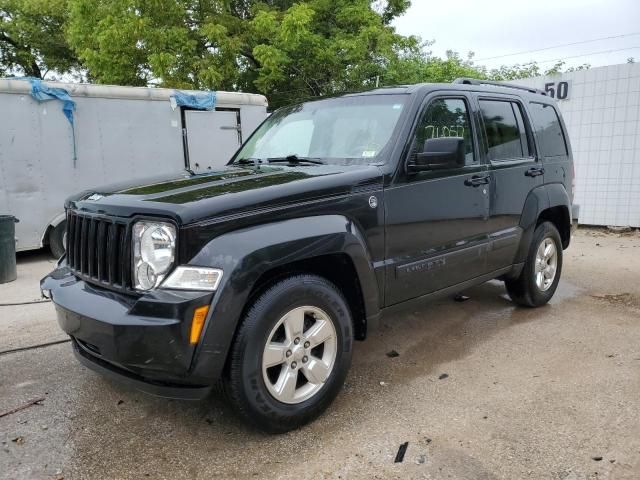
(141, 340)
(157, 388)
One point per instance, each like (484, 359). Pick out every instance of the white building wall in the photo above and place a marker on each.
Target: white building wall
(602, 114)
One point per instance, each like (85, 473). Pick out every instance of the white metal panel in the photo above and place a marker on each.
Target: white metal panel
(251, 117)
(8, 85)
(126, 139)
(116, 140)
(212, 138)
(122, 133)
(602, 114)
(21, 152)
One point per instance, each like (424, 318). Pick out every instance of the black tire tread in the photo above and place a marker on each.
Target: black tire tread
(523, 290)
(56, 245)
(232, 386)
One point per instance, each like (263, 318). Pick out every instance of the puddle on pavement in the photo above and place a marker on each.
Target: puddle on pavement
(445, 331)
(155, 436)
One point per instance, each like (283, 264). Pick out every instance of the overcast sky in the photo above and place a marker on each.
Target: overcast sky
(493, 28)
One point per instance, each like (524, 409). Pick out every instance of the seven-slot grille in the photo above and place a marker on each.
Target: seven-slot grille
(99, 249)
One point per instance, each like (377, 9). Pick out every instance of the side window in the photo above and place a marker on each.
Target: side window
(525, 137)
(547, 124)
(446, 117)
(504, 130)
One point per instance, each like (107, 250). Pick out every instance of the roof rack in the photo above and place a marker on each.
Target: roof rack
(475, 81)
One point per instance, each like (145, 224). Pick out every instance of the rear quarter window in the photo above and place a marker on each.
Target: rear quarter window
(548, 130)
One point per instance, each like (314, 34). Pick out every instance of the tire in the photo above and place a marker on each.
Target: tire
(57, 239)
(525, 289)
(253, 387)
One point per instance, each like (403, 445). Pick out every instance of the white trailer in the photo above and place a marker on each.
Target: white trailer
(118, 133)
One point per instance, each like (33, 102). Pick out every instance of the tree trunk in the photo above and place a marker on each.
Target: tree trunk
(33, 70)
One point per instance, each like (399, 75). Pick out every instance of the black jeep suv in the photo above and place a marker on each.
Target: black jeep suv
(334, 213)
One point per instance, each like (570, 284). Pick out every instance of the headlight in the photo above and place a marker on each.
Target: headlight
(194, 278)
(154, 246)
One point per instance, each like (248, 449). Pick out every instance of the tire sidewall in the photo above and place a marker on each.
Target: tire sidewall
(56, 243)
(248, 350)
(543, 231)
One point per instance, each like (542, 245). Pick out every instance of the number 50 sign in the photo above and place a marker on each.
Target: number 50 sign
(557, 90)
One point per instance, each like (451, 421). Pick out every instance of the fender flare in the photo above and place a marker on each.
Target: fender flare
(53, 223)
(538, 200)
(559, 197)
(58, 219)
(246, 254)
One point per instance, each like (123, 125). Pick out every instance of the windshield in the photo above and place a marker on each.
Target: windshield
(339, 130)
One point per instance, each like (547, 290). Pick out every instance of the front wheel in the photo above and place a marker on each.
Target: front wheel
(542, 268)
(291, 355)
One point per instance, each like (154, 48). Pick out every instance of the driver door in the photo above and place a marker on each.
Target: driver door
(437, 220)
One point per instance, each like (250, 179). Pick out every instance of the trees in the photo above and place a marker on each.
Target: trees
(278, 47)
(290, 50)
(32, 42)
(531, 69)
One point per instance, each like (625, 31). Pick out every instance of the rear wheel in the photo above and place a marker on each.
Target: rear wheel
(541, 272)
(292, 354)
(58, 239)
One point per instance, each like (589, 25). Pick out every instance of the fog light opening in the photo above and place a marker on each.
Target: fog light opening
(199, 316)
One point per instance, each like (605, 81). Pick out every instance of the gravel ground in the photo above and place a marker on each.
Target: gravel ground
(480, 390)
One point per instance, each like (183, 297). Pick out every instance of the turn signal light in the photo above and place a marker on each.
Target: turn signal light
(199, 316)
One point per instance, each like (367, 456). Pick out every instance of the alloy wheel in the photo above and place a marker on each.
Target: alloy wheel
(546, 264)
(299, 355)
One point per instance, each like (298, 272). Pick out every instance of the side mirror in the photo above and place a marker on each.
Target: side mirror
(438, 154)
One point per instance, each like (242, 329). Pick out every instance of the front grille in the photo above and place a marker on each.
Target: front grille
(98, 249)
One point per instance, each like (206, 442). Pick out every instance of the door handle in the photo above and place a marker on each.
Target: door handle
(477, 180)
(534, 172)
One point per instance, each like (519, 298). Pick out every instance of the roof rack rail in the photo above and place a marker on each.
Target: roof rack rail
(475, 81)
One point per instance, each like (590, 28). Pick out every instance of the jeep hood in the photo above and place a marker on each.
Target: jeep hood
(189, 198)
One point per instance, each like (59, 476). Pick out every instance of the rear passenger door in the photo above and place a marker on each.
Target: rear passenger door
(515, 170)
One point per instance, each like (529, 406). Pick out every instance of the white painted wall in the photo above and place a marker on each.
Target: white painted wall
(602, 114)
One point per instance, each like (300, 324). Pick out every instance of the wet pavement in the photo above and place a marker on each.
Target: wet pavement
(480, 389)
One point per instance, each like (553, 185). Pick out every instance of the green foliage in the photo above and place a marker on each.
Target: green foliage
(289, 50)
(584, 66)
(531, 69)
(284, 49)
(31, 38)
(514, 72)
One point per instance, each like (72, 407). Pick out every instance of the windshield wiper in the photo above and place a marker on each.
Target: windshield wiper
(295, 159)
(247, 161)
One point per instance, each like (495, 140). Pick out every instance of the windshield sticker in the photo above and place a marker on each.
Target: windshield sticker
(369, 153)
(397, 106)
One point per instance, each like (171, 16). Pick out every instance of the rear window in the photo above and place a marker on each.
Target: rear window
(547, 124)
(504, 129)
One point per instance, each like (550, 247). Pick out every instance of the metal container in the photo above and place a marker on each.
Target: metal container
(120, 134)
(8, 272)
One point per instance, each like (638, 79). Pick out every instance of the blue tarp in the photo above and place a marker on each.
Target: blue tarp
(43, 93)
(199, 101)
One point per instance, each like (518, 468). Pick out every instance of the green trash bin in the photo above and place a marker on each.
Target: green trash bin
(8, 272)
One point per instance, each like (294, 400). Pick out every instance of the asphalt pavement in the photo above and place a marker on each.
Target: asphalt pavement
(479, 389)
